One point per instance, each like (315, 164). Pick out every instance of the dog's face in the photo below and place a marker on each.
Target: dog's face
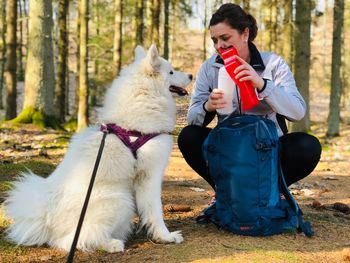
(154, 64)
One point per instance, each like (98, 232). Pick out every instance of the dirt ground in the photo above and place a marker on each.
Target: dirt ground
(41, 151)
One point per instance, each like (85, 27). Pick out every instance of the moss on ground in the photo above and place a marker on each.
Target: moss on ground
(9, 170)
(36, 117)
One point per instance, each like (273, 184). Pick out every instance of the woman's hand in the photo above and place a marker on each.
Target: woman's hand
(246, 72)
(215, 100)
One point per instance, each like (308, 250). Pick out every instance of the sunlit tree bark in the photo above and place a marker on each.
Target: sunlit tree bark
(20, 70)
(139, 19)
(118, 36)
(62, 50)
(83, 109)
(334, 105)
(10, 64)
(288, 31)
(39, 74)
(302, 58)
(166, 29)
(2, 47)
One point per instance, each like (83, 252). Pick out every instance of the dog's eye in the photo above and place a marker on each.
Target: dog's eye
(171, 72)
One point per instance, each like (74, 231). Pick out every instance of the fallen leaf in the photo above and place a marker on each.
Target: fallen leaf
(346, 254)
(173, 208)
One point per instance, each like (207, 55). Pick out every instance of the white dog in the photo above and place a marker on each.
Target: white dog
(127, 182)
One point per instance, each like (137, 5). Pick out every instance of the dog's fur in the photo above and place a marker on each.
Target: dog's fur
(47, 210)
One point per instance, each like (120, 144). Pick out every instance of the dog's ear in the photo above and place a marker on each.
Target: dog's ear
(153, 56)
(140, 53)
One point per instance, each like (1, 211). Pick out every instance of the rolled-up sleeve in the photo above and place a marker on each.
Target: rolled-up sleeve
(281, 92)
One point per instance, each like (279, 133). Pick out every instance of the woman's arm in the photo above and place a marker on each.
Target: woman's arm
(281, 93)
(197, 114)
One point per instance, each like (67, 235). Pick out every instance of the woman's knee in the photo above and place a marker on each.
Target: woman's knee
(312, 145)
(192, 135)
(185, 136)
(302, 145)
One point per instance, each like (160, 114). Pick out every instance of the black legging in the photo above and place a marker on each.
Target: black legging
(300, 153)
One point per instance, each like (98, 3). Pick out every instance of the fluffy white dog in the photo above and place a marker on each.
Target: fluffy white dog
(47, 210)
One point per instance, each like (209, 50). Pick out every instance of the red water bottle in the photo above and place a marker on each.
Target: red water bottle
(247, 92)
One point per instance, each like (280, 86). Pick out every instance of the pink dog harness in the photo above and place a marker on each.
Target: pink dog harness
(124, 136)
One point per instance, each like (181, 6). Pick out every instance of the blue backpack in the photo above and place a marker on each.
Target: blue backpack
(252, 197)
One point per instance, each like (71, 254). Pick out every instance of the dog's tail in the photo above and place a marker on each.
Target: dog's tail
(26, 204)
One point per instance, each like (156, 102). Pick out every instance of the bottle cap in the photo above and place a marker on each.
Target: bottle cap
(227, 54)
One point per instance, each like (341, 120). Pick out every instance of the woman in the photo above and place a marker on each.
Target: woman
(275, 86)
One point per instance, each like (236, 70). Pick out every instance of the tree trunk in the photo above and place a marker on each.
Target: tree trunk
(288, 32)
(2, 48)
(95, 57)
(346, 59)
(205, 31)
(39, 74)
(266, 13)
(83, 109)
(173, 14)
(155, 22)
(246, 6)
(139, 17)
(150, 5)
(20, 73)
(273, 25)
(118, 36)
(166, 29)
(10, 65)
(75, 111)
(302, 58)
(334, 112)
(62, 50)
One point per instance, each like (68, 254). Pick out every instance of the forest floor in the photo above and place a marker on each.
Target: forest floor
(41, 150)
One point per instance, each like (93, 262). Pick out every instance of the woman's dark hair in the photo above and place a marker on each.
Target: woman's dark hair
(234, 16)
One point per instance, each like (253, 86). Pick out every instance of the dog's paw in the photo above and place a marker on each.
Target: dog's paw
(172, 237)
(113, 245)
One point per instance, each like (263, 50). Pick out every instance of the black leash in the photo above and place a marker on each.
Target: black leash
(86, 202)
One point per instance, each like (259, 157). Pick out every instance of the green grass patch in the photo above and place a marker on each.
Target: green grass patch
(177, 130)
(325, 147)
(61, 142)
(10, 170)
(6, 247)
(320, 217)
(4, 186)
(71, 125)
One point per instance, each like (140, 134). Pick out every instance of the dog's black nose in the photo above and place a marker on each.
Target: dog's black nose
(190, 76)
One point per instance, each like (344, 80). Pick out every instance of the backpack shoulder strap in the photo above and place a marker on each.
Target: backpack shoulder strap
(281, 120)
(302, 226)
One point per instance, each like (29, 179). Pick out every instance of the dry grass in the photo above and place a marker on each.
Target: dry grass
(202, 243)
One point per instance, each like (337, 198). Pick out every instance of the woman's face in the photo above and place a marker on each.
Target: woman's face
(224, 36)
